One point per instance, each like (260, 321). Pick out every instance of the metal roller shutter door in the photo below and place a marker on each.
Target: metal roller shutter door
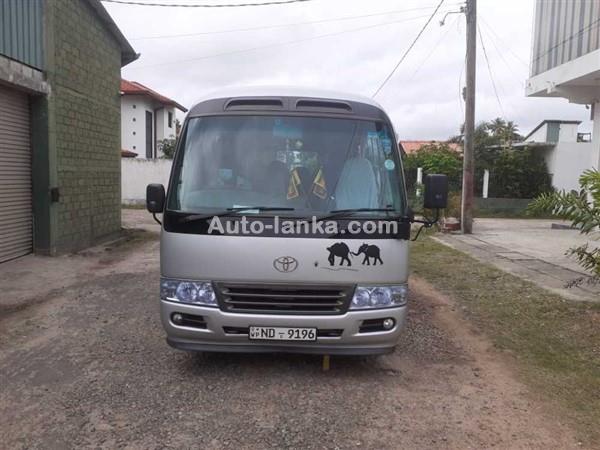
(16, 221)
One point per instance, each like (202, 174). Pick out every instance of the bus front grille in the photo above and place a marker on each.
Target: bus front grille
(283, 298)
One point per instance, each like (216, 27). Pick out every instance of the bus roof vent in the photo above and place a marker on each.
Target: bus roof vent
(323, 105)
(247, 104)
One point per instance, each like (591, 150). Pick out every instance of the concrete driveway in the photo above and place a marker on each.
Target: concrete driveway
(85, 364)
(531, 249)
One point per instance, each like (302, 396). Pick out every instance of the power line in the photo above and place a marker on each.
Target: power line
(517, 57)
(433, 49)
(217, 5)
(408, 50)
(490, 72)
(277, 44)
(506, 63)
(267, 27)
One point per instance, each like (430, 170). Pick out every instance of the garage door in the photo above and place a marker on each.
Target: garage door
(15, 175)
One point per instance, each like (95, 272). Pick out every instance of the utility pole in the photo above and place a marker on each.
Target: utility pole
(466, 216)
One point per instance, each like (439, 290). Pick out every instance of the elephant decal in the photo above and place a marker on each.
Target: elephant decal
(370, 251)
(341, 250)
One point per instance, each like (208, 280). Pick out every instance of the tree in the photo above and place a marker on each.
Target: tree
(167, 146)
(582, 209)
(504, 132)
(435, 158)
(519, 173)
(497, 132)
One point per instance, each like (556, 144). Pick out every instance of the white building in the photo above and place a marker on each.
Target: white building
(565, 63)
(566, 151)
(147, 118)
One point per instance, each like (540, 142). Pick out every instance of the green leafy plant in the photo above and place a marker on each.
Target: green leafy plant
(582, 209)
(167, 147)
(514, 172)
(519, 173)
(434, 158)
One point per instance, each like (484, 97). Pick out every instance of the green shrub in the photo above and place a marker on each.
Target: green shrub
(519, 173)
(167, 146)
(434, 158)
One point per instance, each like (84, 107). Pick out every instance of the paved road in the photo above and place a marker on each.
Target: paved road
(531, 249)
(87, 366)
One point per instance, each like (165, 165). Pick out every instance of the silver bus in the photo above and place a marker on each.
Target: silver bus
(285, 225)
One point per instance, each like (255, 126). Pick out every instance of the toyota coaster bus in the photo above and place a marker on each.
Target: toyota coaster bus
(285, 226)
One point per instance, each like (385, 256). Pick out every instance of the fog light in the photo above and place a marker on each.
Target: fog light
(388, 324)
(177, 318)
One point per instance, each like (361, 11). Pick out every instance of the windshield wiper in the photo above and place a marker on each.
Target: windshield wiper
(343, 212)
(228, 211)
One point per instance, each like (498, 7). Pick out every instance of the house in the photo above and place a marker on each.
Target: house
(60, 67)
(566, 151)
(409, 147)
(565, 63)
(147, 118)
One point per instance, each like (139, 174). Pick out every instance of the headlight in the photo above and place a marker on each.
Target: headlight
(194, 292)
(372, 297)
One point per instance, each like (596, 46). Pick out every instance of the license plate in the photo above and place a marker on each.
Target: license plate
(282, 334)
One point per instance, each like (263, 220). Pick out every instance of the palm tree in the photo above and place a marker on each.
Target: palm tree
(512, 132)
(506, 132)
(497, 126)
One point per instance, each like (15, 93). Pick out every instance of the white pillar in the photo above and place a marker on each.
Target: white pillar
(419, 180)
(486, 182)
(596, 132)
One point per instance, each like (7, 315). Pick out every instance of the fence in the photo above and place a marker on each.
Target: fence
(136, 174)
(507, 206)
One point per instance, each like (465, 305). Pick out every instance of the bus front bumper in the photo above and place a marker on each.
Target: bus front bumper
(212, 330)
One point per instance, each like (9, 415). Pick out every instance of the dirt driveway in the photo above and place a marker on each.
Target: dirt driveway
(87, 366)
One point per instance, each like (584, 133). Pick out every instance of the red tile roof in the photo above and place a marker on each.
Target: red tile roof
(135, 88)
(412, 146)
(128, 153)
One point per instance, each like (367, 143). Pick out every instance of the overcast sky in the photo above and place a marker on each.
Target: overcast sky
(422, 97)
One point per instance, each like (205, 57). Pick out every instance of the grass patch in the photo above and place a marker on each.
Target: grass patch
(556, 342)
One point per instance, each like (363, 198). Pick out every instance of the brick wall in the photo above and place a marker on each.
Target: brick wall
(84, 73)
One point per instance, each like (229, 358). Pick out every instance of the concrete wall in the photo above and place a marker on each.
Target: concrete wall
(76, 132)
(567, 161)
(555, 132)
(501, 205)
(136, 174)
(540, 135)
(568, 132)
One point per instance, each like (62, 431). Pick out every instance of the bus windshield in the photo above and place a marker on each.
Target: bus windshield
(303, 165)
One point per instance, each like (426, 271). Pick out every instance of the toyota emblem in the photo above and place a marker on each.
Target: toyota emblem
(285, 264)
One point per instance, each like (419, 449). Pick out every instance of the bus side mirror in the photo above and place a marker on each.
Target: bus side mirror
(436, 192)
(155, 198)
